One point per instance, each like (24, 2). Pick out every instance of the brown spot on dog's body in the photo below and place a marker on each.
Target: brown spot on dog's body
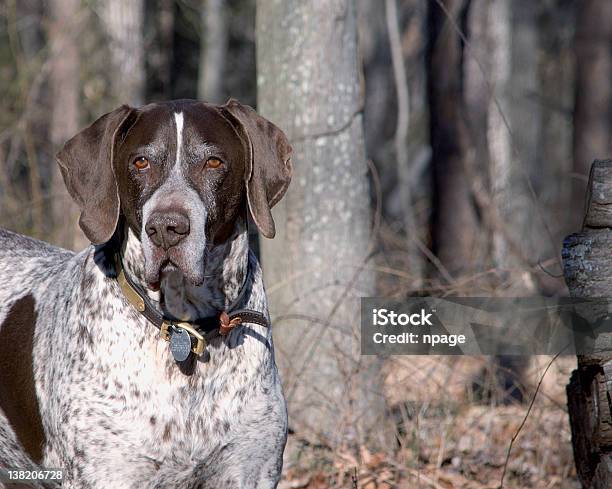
(18, 398)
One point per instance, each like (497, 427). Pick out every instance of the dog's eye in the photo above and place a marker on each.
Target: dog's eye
(213, 163)
(141, 163)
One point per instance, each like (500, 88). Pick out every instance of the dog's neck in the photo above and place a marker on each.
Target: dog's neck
(225, 271)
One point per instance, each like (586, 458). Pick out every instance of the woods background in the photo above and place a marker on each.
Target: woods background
(440, 147)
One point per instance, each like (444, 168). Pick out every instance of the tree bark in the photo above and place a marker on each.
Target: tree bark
(64, 121)
(588, 274)
(213, 51)
(123, 22)
(593, 91)
(308, 84)
(455, 224)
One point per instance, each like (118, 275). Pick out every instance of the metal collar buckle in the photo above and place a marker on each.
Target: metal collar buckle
(200, 345)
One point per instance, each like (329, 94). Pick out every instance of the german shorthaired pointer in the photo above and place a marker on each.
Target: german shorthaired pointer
(87, 382)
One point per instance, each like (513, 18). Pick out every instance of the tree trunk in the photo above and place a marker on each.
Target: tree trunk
(124, 21)
(166, 44)
(593, 91)
(509, 174)
(588, 273)
(64, 122)
(308, 84)
(524, 109)
(455, 225)
(553, 180)
(402, 153)
(503, 126)
(476, 69)
(213, 51)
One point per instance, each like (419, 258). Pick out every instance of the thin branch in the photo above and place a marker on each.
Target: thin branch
(518, 431)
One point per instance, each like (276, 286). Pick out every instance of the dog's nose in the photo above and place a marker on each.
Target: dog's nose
(167, 229)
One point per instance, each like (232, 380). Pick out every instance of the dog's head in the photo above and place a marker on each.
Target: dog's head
(180, 174)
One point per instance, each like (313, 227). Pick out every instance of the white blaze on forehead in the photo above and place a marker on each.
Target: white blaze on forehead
(174, 192)
(178, 118)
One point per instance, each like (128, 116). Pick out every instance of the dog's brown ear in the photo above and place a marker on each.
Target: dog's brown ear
(268, 167)
(86, 163)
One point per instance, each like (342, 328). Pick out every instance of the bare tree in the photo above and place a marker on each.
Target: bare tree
(455, 224)
(556, 60)
(213, 50)
(593, 91)
(525, 110)
(64, 122)
(123, 22)
(402, 152)
(498, 129)
(509, 172)
(166, 43)
(308, 84)
(476, 85)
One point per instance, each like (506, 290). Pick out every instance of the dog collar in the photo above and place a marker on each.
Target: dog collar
(187, 337)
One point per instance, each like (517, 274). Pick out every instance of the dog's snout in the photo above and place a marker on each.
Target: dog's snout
(167, 229)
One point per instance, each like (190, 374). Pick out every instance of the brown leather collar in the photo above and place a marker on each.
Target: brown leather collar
(200, 331)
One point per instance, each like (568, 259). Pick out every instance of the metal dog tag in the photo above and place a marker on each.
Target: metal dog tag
(180, 344)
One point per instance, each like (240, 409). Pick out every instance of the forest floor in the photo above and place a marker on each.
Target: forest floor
(454, 432)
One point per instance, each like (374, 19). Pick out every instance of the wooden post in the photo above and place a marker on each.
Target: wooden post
(587, 263)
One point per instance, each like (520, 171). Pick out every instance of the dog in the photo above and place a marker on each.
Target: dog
(146, 360)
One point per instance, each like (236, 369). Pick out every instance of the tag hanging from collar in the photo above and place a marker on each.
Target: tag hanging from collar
(180, 344)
